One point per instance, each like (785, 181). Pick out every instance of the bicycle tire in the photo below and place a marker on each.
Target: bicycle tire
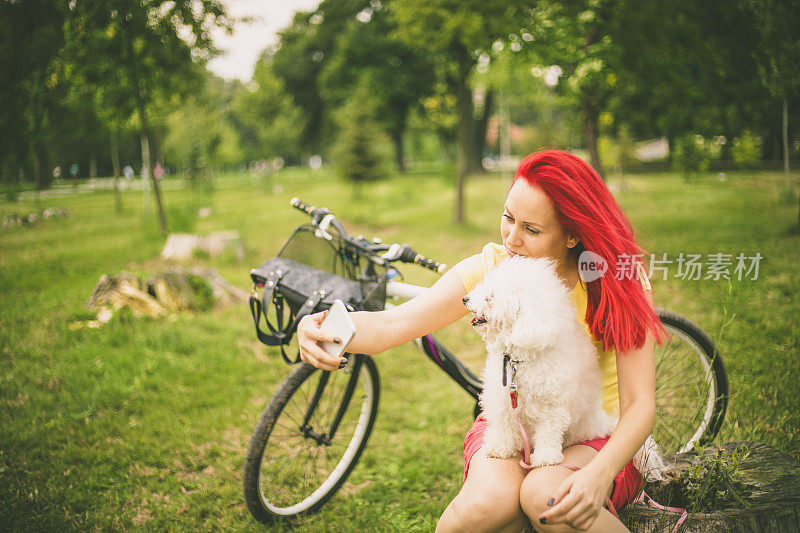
(294, 471)
(691, 386)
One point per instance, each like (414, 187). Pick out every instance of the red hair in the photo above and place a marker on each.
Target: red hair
(617, 311)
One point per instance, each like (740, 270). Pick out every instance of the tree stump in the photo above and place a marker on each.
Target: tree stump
(124, 290)
(771, 484)
(177, 289)
(183, 246)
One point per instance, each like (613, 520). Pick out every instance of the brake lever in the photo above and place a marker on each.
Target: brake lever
(394, 252)
(322, 227)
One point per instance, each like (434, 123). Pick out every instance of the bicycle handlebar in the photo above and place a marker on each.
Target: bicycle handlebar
(406, 255)
(298, 204)
(409, 255)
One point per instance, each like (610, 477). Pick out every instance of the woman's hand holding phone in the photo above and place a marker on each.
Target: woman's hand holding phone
(323, 337)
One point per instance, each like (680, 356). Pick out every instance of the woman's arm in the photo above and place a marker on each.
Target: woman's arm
(636, 384)
(377, 331)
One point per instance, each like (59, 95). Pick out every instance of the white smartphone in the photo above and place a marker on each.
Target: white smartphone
(339, 324)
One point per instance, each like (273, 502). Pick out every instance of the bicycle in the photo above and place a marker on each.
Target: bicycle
(312, 432)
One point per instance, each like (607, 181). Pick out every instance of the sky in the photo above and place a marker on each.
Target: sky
(250, 39)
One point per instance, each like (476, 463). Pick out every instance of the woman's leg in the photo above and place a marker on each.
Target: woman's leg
(540, 485)
(489, 498)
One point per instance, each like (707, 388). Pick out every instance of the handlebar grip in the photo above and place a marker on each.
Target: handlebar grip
(436, 266)
(302, 206)
(410, 256)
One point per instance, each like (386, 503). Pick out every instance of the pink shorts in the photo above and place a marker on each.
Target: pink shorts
(627, 483)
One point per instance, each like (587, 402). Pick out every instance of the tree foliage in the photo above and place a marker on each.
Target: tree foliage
(136, 52)
(397, 77)
(270, 122)
(199, 133)
(356, 155)
(454, 33)
(306, 46)
(31, 36)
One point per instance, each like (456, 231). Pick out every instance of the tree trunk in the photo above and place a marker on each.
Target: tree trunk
(505, 137)
(115, 164)
(92, 167)
(465, 127)
(589, 109)
(590, 130)
(399, 152)
(786, 143)
(770, 482)
(42, 169)
(481, 124)
(148, 163)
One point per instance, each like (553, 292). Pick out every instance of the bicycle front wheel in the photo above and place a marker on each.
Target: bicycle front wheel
(309, 438)
(691, 386)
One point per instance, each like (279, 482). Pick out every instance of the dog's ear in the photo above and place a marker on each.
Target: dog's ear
(529, 333)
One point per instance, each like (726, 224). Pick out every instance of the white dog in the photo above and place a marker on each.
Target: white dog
(524, 313)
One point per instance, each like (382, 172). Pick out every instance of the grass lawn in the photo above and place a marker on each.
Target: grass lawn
(143, 424)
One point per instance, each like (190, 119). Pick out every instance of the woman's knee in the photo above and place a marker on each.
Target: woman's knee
(537, 489)
(488, 510)
(485, 503)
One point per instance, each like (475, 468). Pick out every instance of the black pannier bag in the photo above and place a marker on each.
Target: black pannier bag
(313, 269)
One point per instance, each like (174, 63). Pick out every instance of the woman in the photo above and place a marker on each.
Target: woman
(557, 207)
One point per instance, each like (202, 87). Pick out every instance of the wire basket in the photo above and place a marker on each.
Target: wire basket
(334, 255)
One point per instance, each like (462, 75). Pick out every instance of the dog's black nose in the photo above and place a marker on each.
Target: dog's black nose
(465, 299)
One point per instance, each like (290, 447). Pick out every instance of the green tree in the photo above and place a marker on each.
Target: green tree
(306, 46)
(690, 155)
(573, 36)
(143, 50)
(397, 76)
(548, 117)
(746, 150)
(270, 122)
(356, 157)
(778, 24)
(450, 32)
(200, 131)
(31, 36)
(684, 67)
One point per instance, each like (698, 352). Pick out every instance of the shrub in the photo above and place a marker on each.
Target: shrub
(746, 150)
(690, 155)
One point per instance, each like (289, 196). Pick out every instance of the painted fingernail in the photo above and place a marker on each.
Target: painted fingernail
(343, 363)
(551, 501)
(543, 521)
(337, 340)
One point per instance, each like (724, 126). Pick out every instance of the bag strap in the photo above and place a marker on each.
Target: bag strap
(279, 335)
(256, 308)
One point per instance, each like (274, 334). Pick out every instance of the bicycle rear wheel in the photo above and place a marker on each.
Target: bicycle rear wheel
(309, 438)
(691, 386)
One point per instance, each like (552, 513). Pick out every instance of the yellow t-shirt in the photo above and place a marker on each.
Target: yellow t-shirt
(472, 270)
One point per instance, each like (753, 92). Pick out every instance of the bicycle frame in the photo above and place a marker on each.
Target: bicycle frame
(428, 344)
(433, 348)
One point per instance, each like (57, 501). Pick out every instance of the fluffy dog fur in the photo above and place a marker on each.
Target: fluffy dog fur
(523, 309)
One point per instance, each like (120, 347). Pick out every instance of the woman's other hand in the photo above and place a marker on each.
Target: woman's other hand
(309, 335)
(578, 500)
